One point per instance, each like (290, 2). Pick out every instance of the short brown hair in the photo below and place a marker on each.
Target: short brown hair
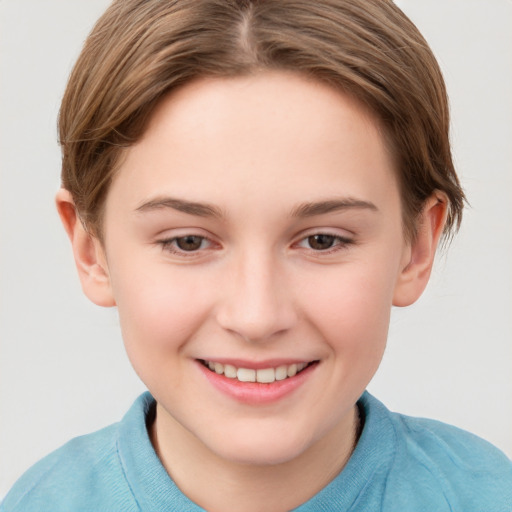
(140, 50)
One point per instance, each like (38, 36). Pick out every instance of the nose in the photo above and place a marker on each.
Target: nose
(257, 304)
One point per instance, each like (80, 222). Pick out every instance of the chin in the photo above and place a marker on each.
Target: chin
(257, 455)
(261, 448)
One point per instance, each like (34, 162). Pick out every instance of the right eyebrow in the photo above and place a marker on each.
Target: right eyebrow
(180, 205)
(332, 205)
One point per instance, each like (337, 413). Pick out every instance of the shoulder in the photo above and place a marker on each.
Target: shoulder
(77, 476)
(438, 444)
(460, 468)
(85, 474)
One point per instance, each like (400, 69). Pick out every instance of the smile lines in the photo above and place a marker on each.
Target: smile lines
(264, 376)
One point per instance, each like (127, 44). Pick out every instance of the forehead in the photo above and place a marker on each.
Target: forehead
(270, 138)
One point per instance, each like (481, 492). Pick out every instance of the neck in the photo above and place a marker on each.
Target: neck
(220, 485)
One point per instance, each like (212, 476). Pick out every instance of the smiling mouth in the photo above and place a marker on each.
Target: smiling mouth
(263, 376)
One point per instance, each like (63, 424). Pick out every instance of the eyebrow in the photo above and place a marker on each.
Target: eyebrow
(309, 209)
(331, 205)
(190, 207)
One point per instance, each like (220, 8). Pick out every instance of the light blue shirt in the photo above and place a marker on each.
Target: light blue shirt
(400, 464)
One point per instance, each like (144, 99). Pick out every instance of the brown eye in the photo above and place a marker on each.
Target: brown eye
(321, 242)
(189, 242)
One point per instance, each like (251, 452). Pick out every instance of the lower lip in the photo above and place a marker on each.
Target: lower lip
(255, 392)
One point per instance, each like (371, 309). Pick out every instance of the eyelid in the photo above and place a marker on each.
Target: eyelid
(331, 231)
(343, 240)
(167, 243)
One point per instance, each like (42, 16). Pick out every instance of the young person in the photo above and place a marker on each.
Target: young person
(254, 184)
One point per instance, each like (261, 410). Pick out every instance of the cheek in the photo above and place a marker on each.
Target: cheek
(159, 311)
(352, 308)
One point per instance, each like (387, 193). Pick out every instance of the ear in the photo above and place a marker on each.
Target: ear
(419, 258)
(88, 251)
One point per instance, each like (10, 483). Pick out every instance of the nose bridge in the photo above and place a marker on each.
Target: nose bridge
(257, 303)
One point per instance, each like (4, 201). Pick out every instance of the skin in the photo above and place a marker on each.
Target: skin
(272, 159)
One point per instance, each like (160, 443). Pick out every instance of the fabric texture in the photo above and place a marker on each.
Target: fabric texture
(400, 463)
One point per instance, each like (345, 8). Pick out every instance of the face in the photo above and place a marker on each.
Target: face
(255, 234)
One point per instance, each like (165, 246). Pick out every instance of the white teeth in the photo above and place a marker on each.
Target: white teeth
(246, 375)
(292, 370)
(281, 372)
(230, 371)
(264, 376)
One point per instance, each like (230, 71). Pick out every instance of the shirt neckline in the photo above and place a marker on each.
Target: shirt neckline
(153, 489)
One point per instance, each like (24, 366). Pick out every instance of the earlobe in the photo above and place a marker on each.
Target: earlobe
(419, 259)
(88, 252)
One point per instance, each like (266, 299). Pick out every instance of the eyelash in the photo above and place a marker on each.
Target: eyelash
(339, 243)
(170, 245)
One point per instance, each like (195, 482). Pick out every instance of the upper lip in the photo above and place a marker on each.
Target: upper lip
(257, 365)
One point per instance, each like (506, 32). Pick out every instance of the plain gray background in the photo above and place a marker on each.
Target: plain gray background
(63, 371)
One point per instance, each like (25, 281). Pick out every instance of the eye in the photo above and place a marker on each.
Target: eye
(186, 244)
(321, 242)
(324, 242)
(189, 242)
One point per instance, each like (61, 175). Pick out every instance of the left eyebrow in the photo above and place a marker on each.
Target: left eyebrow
(190, 207)
(331, 205)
